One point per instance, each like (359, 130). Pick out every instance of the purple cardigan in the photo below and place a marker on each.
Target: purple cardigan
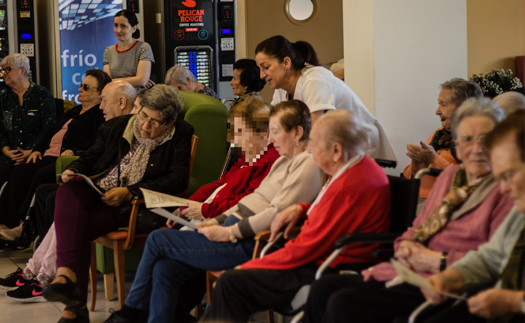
(471, 225)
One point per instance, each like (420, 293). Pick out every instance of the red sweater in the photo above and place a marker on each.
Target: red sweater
(358, 201)
(242, 179)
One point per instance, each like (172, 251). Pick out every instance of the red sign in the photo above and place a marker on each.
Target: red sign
(189, 3)
(191, 15)
(192, 29)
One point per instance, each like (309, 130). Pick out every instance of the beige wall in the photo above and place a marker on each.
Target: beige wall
(266, 18)
(495, 34)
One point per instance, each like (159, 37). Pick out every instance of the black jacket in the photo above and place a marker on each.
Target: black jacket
(81, 132)
(168, 165)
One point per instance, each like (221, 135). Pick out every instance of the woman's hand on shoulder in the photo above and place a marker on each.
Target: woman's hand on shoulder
(150, 84)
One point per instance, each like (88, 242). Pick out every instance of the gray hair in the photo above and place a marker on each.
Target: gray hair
(510, 101)
(461, 90)
(179, 73)
(483, 107)
(339, 65)
(341, 127)
(163, 98)
(18, 61)
(126, 90)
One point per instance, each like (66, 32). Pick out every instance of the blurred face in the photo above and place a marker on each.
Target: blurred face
(283, 141)
(445, 108)
(181, 86)
(151, 123)
(136, 106)
(235, 83)
(88, 92)
(110, 103)
(509, 170)
(273, 72)
(122, 28)
(322, 156)
(12, 75)
(252, 143)
(469, 146)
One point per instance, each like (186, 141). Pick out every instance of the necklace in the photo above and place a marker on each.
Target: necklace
(340, 172)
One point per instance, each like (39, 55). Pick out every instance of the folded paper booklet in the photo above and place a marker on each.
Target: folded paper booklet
(175, 218)
(82, 177)
(156, 199)
(413, 278)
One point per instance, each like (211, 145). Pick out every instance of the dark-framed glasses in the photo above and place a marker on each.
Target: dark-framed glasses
(143, 117)
(86, 87)
(6, 70)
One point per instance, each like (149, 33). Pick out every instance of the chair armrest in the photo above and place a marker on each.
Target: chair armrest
(262, 236)
(133, 222)
(365, 238)
(428, 171)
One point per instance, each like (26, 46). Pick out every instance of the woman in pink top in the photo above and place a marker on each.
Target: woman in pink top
(438, 150)
(464, 209)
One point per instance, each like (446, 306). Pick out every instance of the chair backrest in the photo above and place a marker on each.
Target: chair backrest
(209, 117)
(62, 162)
(404, 193)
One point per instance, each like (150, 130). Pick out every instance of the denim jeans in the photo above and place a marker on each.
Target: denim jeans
(172, 257)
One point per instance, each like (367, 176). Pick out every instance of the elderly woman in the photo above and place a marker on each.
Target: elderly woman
(172, 258)
(183, 79)
(293, 71)
(245, 81)
(251, 135)
(337, 144)
(510, 101)
(150, 150)
(74, 133)
(464, 209)
(438, 151)
(28, 112)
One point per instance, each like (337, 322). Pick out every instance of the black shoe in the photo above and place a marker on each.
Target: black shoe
(13, 280)
(67, 293)
(31, 292)
(82, 315)
(116, 318)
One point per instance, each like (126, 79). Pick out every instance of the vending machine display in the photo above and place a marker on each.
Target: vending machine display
(4, 36)
(199, 60)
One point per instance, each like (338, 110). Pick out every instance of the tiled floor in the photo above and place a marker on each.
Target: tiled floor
(11, 311)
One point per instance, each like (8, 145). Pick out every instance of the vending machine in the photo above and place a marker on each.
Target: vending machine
(200, 34)
(17, 33)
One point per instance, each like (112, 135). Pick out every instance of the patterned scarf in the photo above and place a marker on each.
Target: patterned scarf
(512, 275)
(458, 194)
(133, 165)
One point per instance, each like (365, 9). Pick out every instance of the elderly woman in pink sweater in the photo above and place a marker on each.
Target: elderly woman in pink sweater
(463, 210)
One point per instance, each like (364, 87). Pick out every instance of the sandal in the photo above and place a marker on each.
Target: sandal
(66, 293)
(82, 315)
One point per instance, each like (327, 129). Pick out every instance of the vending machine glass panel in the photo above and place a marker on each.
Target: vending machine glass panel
(199, 60)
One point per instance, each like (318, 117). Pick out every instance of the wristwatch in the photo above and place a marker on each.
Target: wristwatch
(443, 261)
(233, 239)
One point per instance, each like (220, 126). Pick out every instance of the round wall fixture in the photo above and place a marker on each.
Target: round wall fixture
(301, 12)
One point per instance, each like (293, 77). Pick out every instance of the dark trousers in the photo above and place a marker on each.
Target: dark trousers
(80, 217)
(5, 172)
(21, 187)
(347, 298)
(44, 208)
(459, 313)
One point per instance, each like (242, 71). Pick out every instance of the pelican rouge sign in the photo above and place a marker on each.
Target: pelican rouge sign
(193, 21)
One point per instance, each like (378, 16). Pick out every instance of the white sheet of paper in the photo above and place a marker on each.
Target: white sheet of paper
(156, 199)
(175, 218)
(413, 278)
(87, 180)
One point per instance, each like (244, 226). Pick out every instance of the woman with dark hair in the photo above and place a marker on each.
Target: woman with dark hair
(293, 71)
(246, 80)
(130, 59)
(149, 150)
(73, 133)
(173, 258)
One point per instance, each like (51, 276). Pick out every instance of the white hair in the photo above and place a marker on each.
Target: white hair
(18, 61)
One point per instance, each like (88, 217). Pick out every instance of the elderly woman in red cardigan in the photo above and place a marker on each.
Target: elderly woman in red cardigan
(356, 198)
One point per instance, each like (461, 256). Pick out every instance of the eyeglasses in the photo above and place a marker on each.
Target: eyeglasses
(153, 122)
(86, 87)
(7, 70)
(468, 141)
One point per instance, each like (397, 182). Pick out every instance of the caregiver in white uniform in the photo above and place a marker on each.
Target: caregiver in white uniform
(293, 71)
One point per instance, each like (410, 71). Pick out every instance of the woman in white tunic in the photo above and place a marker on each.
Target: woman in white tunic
(294, 72)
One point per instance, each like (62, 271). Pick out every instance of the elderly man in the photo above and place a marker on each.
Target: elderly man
(118, 98)
(500, 262)
(336, 143)
(183, 79)
(27, 113)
